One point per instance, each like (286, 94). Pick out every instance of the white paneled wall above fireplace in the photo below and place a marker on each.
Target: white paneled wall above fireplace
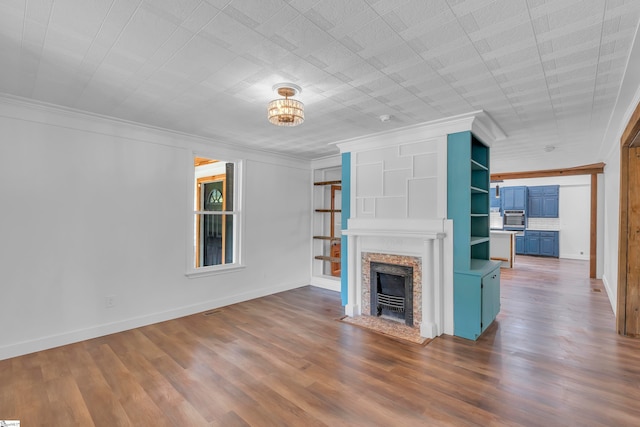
(401, 181)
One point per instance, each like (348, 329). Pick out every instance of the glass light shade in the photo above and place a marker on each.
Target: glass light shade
(285, 112)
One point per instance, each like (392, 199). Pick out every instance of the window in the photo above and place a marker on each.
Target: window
(216, 216)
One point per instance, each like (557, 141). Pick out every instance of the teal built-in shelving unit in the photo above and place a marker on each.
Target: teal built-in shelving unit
(476, 279)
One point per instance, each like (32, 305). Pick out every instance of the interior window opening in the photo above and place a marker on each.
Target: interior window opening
(215, 217)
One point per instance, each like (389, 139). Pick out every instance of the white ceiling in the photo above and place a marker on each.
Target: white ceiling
(548, 71)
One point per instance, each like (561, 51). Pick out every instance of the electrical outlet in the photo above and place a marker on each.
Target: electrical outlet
(110, 301)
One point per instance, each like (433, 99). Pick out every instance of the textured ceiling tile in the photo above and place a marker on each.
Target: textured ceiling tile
(252, 13)
(516, 59)
(519, 34)
(375, 37)
(468, 23)
(440, 38)
(395, 22)
(499, 11)
(306, 37)
(315, 17)
(585, 56)
(382, 7)
(277, 21)
(203, 14)
(424, 13)
(334, 13)
(587, 12)
(172, 46)
(395, 57)
(140, 42)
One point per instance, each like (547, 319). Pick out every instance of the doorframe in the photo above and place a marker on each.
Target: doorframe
(630, 138)
(593, 170)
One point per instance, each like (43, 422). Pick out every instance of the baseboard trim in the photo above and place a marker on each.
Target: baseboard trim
(575, 256)
(326, 283)
(70, 337)
(610, 293)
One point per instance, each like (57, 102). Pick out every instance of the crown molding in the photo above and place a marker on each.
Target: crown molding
(479, 122)
(27, 109)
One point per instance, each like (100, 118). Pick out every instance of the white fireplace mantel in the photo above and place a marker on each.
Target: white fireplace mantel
(420, 238)
(412, 228)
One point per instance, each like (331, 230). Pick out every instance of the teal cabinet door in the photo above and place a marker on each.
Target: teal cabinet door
(490, 298)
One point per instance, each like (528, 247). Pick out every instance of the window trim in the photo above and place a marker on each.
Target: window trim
(191, 271)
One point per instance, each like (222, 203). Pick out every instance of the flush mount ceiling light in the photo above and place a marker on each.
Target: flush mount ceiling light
(286, 111)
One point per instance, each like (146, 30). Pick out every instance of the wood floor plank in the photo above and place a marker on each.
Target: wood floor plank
(552, 357)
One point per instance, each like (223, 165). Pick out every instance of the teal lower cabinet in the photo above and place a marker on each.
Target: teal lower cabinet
(476, 298)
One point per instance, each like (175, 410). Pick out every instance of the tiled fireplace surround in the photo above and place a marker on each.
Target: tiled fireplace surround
(408, 261)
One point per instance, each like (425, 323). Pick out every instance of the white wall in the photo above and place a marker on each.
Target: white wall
(94, 208)
(611, 225)
(401, 182)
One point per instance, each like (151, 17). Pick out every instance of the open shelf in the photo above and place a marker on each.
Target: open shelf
(327, 236)
(477, 166)
(333, 239)
(474, 240)
(479, 190)
(327, 258)
(336, 182)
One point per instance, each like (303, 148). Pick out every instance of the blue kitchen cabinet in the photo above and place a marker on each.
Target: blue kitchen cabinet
(542, 243)
(514, 198)
(532, 242)
(549, 243)
(543, 201)
(520, 245)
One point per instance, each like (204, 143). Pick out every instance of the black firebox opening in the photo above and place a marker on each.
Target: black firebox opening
(392, 291)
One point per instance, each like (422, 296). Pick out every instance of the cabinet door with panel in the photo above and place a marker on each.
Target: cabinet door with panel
(549, 243)
(476, 295)
(520, 245)
(542, 201)
(550, 201)
(532, 242)
(534, 205)
(514, 198)
(490, 298)
(520, 198)
(507, 197)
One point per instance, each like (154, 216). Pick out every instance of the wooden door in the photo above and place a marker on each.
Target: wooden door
(628, 306)
(633, 244)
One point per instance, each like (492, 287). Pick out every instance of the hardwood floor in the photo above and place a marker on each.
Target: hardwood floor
(551, 358)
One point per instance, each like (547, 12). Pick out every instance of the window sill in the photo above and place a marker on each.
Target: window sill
(202, 272)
